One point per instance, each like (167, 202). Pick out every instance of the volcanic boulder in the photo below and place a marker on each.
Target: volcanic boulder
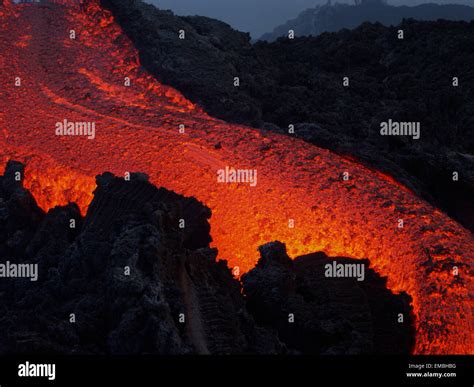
(331, 315)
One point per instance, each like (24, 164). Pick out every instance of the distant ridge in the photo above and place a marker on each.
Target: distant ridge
(334, 17)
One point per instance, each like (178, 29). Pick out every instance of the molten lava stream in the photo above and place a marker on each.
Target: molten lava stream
(137, 129)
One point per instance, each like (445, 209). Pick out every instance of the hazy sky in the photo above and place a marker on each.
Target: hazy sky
(260, 16)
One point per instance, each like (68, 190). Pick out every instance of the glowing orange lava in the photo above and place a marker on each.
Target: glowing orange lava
(137, 129)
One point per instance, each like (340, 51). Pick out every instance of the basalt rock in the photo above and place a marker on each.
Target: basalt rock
(126, 279)
(19, 215)
(315, 314)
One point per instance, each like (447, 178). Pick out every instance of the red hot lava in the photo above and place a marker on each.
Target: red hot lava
(47, 77)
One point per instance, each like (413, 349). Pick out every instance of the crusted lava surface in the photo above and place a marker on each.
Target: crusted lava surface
(137, 129)
(300, 82)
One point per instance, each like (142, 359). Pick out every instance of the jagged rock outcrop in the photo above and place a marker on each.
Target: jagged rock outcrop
(299, 82)
(135, 281)
(356, 214)
(19, 214)
(331, 315)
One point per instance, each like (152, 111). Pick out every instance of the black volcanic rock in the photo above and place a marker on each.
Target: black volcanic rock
(19, 214)
(127, 272)
(299, 82)
(331, 315)
(129, 275)
(210, 50)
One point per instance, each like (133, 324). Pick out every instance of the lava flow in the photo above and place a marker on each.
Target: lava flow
(49, 75)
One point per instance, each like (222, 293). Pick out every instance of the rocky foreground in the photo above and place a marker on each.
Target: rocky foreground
(127, 279)
(309, 198)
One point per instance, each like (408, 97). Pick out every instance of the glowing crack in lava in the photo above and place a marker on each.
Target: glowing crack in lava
(137, 129)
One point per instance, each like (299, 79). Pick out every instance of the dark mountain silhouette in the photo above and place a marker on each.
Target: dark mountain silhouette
(330, 18)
